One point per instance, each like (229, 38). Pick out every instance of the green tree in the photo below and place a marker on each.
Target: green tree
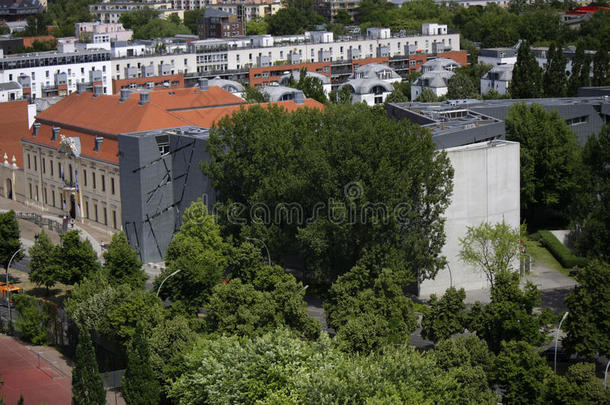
(169, 342)
(549, 160)
(87, 386)
(588, 323)
(73, 259)
(32, 322)
(41, 270)
(138, 18)
(394, 229)
(343, 17)
(158, 28)
(491, 248)
(527, 76)
(198, 252)
(341, 96)
(139, 384)
(593, 230)
(578, 66)
(264, 298)
(474, 71)
(461, 86)
(521, 371)
(427, 96)
(257, 26)
(311, 86)
(292, 20)
(555, 81)
(9, 238)
(253, 95)
(369, 312)
(601, 63)
(510, 315)
(578, 385)
(191, 17)
(445, 316)
(122, 264)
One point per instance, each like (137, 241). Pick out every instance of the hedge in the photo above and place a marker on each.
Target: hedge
(560, 251)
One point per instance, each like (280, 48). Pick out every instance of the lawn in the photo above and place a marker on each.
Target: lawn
(541, 254)
(56, 294)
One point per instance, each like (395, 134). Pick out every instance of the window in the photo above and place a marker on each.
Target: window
(46, 73)
(103, 183)
(37, 197)
(112, 185)
(29, 165)
(114, 219)
(95, 209)
(44, 167)
(53, 197)
(58, 169)
(30, 186)
(51, 166)
(93, 181)
(44, 195)
(87, 209)
(85, 177)
(105, 216)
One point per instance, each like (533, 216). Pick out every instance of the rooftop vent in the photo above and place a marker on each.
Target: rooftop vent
(124, 94)
(36, 128)
(144, 98)
(203, 84)
(299, 97)
(97, 90)
(98, 143)
(55, 133)
(81, 88)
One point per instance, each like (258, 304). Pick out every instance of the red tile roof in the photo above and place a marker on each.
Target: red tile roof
(13, 126)
(85, 116)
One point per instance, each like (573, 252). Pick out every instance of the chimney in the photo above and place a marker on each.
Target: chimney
(97, 90)
(36, 128)
(124, 94)
(299, 97)
(55, 133)
(81, 88)
(203, 84)
(98, 143)
(144, 98)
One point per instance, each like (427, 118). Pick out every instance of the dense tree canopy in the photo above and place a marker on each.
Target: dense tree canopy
(593, 214)
(41, 272)
(527, 76)
(199, 254)
(549, 159)
(9, 238)
(445, 316)
(588, 323)
(74, 259)
(121, 263)
(334, 186)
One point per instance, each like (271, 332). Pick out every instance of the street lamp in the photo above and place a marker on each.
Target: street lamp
(606, 373)
(556, 339)
(267, 249)
(8, 300)
(161, 285)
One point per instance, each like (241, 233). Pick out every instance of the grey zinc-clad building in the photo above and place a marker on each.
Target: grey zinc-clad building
(160, 177)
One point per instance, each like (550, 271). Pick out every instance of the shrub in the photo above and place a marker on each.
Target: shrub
(32, 324)
(560, 252)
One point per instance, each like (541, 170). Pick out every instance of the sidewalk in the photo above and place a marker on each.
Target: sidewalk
(95, 235)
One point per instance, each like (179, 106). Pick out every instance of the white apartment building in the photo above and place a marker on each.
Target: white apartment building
(97, 32)
(498, 56)
(10, 91)
(153, 65)
(217, 54)
(57, 73)
(111, 12)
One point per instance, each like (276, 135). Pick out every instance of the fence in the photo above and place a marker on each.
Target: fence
(42, 222)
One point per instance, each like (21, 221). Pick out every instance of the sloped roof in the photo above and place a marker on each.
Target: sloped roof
(364, 86)
(277, 92)
(13, 126)
(372, 71)
(85, 116)
(226, 84)
(208, 117)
